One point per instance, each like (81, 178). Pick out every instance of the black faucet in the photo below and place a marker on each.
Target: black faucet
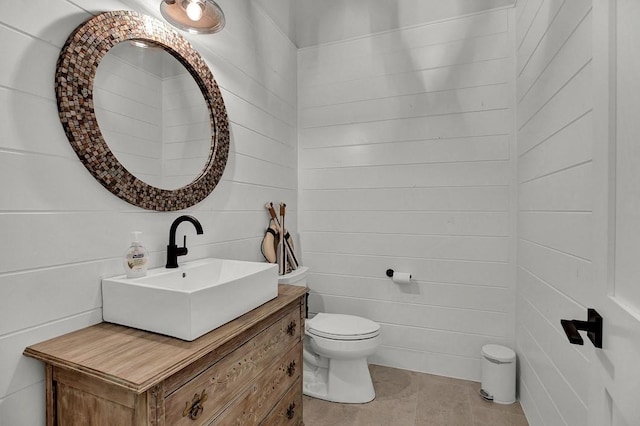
(173, 251)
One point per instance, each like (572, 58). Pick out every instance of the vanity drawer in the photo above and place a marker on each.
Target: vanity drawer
(289, 410)
(223, 381)
(258, 399)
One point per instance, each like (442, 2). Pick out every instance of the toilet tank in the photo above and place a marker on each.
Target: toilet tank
(296, 277)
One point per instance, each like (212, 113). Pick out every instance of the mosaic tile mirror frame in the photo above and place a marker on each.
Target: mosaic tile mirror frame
(75, 72)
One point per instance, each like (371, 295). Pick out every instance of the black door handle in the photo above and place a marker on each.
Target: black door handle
(593, 327)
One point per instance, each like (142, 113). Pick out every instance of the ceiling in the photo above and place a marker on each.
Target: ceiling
(311, 22)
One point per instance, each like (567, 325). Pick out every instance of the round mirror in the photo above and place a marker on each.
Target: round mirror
(166, 164)
(152, 114)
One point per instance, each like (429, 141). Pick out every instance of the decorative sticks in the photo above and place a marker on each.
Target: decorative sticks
(284, 250)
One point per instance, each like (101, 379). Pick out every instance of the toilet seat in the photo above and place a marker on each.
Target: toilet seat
(342, 327)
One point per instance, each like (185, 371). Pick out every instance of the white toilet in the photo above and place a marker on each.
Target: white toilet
(336, 348)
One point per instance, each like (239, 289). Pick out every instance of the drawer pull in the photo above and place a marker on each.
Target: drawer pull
(194, 408)
(291, 411)
(291, 369)
(291, 328)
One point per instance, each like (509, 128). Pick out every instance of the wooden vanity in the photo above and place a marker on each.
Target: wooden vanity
(247, 372)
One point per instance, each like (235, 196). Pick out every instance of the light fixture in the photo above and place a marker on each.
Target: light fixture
(195, 10)
(194, 16)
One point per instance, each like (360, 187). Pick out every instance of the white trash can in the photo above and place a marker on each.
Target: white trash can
(498, 374)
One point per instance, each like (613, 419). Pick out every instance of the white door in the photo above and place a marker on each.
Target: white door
(615, 392)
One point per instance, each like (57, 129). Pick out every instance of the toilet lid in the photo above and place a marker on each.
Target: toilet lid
(342, 327)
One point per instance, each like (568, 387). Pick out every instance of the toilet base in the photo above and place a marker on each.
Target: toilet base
(345, 381)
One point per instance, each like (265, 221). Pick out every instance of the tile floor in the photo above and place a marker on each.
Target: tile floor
(410, 398)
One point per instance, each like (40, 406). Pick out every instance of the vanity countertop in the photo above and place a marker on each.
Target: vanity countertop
(137, 359)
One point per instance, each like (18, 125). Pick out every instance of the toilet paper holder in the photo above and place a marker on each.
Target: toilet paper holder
(402, 277)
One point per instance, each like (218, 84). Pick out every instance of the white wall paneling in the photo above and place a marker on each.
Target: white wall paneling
(409, 222)
(406, 162)
(436, 270)
(555, 127)
(331, 20)
(566, 22)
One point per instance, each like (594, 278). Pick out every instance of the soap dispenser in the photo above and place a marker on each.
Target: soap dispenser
(136, 258)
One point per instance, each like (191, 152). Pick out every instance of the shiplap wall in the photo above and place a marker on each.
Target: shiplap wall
(62, 231)
(319, 22)
(405, 142)
(554, 120)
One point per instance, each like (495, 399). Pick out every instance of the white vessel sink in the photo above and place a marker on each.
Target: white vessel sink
(191, 300)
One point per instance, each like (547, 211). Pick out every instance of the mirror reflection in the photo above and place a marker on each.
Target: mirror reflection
(152, 115)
